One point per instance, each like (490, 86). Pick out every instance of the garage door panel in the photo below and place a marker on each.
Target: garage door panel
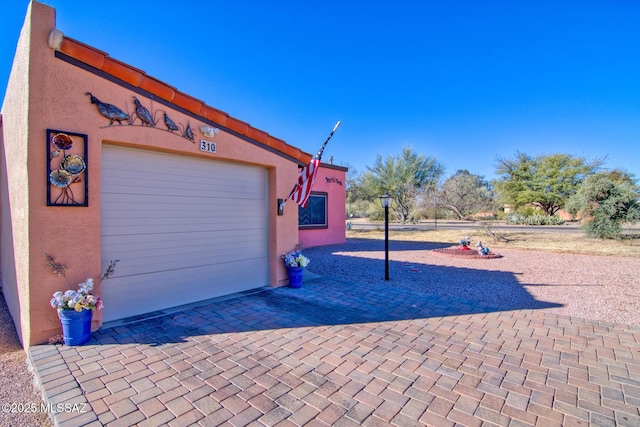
(151, 204)
(196, 181)
(177, 225)
(179, 286)
(226, 239)
(146, 259)
(178, 170)
(149, 259)
(184, 229)
(240, 212)
(172, 254)
(227, 189)
(145, 266)
(203, 222)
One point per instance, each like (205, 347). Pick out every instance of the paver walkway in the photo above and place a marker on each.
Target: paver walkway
(344, 354)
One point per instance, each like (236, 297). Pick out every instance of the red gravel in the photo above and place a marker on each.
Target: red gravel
(604, 288)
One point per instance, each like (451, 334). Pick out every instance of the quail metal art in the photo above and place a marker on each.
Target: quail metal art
(111, 112)
(170, 124)
(147, 117)
(143, 114)
(188, 133)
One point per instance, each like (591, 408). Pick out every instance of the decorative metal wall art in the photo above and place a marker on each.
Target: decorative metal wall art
(147, 117)
(111, 112)
(67, 169)
(333, 179)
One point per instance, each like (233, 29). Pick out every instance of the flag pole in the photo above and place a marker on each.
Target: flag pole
(319, 153)
(318, 156)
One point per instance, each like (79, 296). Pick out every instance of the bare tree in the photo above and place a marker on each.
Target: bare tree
(465, 194)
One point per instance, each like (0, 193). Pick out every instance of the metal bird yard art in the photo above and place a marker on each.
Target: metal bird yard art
(143, 114)
(147, 116)
(170, 124)
(111, 112)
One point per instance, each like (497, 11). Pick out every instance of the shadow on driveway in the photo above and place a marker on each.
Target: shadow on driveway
(349, 291)
(349, 348)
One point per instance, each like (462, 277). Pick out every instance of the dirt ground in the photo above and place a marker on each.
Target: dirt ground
(19, 400)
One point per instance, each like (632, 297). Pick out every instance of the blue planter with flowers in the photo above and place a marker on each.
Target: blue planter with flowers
(76, 326)
(295, 276)
(75, 310)
(295, 262)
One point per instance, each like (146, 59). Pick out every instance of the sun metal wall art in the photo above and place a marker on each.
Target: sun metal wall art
(67, 169)
(148, 118)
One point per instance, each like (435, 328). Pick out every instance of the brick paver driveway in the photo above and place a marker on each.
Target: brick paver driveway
(335, 353)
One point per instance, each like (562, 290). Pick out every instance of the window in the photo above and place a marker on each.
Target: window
(315, 214)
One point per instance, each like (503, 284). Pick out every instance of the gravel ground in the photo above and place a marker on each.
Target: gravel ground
(17, 392)
(604, 288)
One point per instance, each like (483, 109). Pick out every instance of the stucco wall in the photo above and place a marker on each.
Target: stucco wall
(331, 180)
(55, 90)
(15, 183)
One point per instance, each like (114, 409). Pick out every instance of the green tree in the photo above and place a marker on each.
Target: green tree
(359, 193)
(605, 201)
(404, 176)
(545, 181)
(465, 194)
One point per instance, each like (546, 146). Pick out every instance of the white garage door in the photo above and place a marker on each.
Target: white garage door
(184, 229)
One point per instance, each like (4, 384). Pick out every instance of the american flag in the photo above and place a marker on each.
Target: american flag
(301, 191)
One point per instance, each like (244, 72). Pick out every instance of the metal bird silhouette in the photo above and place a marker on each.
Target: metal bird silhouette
(188, 133)
(143, 114)
(111, 112)
(170, 124)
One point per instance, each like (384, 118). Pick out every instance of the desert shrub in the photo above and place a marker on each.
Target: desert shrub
(602, 227)
(514, 218)
(485, 216)
(358, 209)
(375, 212)
(535, 219)
(606, 201)
(527, 211)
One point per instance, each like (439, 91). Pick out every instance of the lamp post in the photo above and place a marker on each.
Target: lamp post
(435, 213)
(386, 200)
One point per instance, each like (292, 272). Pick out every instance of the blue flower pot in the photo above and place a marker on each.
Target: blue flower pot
(295, 276)
(76, 326)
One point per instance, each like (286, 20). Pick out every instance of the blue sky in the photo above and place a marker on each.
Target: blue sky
(462, 81)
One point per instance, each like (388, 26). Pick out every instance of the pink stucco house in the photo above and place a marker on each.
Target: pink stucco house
(100, 161)
(322, 222)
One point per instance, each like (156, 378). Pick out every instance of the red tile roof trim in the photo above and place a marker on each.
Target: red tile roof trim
(137, 78)
(157, 87)
(123, 71)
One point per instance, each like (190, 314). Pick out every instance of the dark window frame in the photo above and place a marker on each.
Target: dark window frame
(311, 205)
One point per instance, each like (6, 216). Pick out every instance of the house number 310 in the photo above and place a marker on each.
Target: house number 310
(209, 147)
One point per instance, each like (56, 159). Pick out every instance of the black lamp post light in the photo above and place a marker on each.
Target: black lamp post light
(386, 199)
